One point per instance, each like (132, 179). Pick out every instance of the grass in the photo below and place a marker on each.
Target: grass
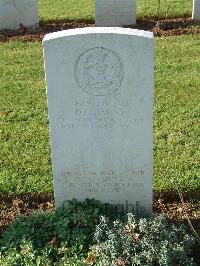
(84, 9)
(25, 149)
(177, 113)
(25, 139)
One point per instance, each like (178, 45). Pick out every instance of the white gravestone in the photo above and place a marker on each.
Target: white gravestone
(196, 10)
(14, 13)
(115, 13)
(100, 102)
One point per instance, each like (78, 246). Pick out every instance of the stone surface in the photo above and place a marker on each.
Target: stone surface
(115, 13)
(100, 101)
(196, 10)
(14, 13)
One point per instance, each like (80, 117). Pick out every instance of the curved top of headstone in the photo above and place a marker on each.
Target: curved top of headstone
(96, 30)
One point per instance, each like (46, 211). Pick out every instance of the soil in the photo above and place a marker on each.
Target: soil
(164, 27)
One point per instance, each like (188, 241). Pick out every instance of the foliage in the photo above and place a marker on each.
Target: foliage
(49, 255)
(73, 224)
(147, 241)
(78, 235)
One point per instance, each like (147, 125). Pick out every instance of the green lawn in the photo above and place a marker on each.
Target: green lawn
(177, 113)
(84, 9)
(25, 150)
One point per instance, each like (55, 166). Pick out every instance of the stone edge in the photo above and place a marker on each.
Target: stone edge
(105, 30)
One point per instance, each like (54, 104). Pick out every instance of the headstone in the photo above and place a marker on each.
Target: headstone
(100, 102)
(196, 10)
(14, 13)
(115, 13)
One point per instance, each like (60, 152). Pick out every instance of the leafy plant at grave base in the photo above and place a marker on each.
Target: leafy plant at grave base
(74, 224)
(29, 256)
(64, 238)
(147, 241)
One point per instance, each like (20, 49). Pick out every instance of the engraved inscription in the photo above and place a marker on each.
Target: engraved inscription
(101, 181)
(99, 71)
(101, 115)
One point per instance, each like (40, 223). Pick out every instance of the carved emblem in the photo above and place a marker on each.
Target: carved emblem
(99, 71)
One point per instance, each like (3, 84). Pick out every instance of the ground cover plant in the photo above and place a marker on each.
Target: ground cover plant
(25, 153)
(78, 234)
(84, 9)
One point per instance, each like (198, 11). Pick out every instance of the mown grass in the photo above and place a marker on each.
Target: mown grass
(84, 9)
(25, 149)
(177, 113)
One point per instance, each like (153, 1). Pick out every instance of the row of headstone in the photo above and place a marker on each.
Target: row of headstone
(108, 13)
(116, 13)
(100, 102)
(16, 13)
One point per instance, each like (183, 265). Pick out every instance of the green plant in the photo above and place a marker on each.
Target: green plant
(45, 238)
(147, 241)
(29, 256)
(37, 228)
(65, 237)
(73, 224)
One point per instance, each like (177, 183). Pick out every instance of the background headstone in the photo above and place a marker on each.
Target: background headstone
(115, 13)
(196, 10)
(100, 101)
(14, 13)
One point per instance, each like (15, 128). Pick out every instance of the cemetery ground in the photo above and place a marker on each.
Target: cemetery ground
(84, 9)
(26, 177)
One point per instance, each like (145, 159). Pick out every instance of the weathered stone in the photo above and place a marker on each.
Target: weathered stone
(16, 13)
(100, 101)
(196, 10)
(115, 13)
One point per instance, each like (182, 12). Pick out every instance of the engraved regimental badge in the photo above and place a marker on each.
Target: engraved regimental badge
(99, 71)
